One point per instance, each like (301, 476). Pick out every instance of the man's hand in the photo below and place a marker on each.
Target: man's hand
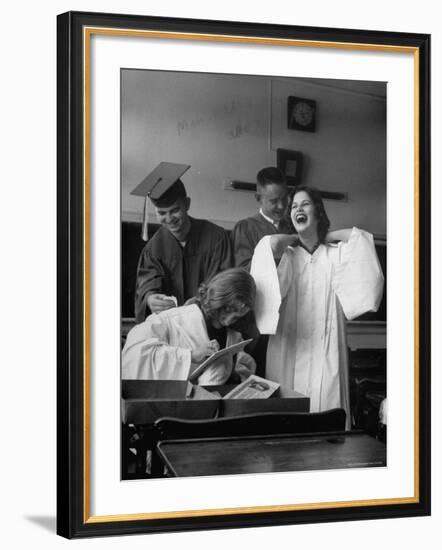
(206, 350)
(160, 302)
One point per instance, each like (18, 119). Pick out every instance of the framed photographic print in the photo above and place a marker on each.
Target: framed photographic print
(290, 162)
(202, 384)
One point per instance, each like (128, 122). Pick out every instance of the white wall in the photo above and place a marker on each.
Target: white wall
(28, 274)
(347, 153)
(216, 123)
(229, 127)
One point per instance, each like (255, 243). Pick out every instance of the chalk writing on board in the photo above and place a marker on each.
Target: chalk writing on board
(232, 106)
(239, 129)
(226, 116)
(184, 124)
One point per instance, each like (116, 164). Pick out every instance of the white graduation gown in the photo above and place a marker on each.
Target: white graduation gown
(309, 350)
(160, 348)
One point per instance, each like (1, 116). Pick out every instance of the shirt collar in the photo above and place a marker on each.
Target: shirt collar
(273, 222)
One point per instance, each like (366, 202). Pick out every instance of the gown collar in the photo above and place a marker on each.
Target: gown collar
(318, 244)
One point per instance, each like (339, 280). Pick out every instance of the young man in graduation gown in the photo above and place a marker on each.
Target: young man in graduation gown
(183, 253)
(272, 194)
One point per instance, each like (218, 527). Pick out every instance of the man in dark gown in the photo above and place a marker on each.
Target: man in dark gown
(182, 254)
(273, 196)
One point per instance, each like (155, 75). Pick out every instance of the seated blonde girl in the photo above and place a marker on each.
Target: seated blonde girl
(171, 344)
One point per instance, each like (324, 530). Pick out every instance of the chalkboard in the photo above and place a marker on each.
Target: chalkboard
(131, 246)
(381, 313)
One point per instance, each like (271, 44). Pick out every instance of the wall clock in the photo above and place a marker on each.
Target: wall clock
(301, 114)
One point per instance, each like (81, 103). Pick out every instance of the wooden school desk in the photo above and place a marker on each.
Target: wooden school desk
(244, 455)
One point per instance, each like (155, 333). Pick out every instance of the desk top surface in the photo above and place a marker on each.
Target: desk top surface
(226, 456)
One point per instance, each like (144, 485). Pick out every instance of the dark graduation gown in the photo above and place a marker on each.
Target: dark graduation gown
(247, 233)
(168, 268)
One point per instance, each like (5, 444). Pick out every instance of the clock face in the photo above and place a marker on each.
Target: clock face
(301, 114)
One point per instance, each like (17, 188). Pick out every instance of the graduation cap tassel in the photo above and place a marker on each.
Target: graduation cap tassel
(164, 179)
(145, 224)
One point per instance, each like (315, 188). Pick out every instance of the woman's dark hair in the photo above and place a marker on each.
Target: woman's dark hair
(321, 214)
(232, 287)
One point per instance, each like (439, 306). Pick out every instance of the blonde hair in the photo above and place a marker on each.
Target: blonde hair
(232, 287)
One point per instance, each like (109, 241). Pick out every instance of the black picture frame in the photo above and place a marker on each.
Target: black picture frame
(73, 249)
(290, 163)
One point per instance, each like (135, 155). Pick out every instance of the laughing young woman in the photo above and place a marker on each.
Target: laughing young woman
(321, 282)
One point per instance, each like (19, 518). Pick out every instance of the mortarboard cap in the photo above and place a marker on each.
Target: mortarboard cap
(164, 180)
(162, 186)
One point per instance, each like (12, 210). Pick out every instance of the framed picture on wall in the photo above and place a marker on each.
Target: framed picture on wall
(186, 107)
(290, 162)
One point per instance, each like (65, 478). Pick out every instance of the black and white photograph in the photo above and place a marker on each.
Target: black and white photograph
(253, 274)
(220, 283)
(243, 275)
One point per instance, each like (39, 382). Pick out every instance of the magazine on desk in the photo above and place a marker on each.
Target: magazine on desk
(254, 387)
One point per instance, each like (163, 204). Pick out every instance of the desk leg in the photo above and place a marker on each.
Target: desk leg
(125, 450)
(156, 465)
(143, 445)
(147, 444)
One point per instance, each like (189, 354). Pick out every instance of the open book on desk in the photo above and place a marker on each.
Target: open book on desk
(230, 350)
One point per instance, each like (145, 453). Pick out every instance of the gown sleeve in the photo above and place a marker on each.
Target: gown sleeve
(358, 280)
(220, 257)
(150, 279)
(272, 284)
(242, 246)
(147, 354)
